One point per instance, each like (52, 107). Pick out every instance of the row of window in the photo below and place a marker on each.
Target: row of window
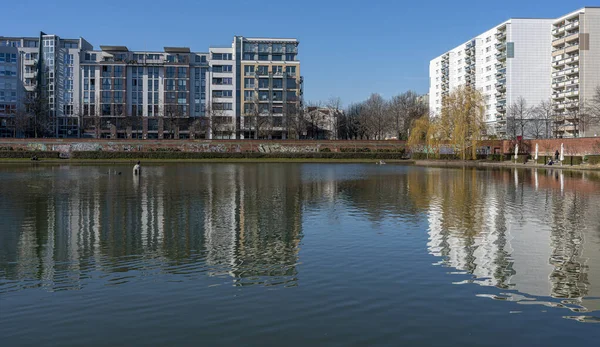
(262, 109)
(8, 96)
(249, 83)
(269, 57)
(8, 70)
(8, 58)
(250, 95)
(266, 47)
(264, 69)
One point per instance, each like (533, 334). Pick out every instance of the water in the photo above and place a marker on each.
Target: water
(294, 254)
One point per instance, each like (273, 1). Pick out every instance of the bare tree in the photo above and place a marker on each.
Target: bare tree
(335, 105)
(519, 115)
(294, 120)
(544, 114)
(404, 109)
(375, 117)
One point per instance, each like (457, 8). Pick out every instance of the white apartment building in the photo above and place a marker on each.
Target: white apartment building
(575, 70)
(505, 63)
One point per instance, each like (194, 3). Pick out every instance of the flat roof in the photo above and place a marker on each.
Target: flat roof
(114, 48)
(177, 49)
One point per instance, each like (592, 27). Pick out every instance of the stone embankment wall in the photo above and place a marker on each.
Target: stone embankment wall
(67, 146)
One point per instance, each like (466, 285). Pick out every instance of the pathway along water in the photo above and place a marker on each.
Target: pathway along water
(294, 254)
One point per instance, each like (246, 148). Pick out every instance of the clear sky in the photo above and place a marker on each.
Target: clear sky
(348, 48)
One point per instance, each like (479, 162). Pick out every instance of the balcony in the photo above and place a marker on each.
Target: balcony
(571, 71)
(572, 93)
(501, 46)
(30, 62)
(572, 25)
(558, 96)
(571, 82)
(501, 108)
(572, 105)
(501, 56)
(572, 48)
(500, 66)
(501, 35)
(29, 75)
(572, 37)
(500, 87)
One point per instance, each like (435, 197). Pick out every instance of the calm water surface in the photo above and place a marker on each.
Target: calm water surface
(298, 254)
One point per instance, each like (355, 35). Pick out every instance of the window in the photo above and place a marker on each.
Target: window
(489, 68)
(277, 83)
(222, 80)
(182, 72)
(118, 71)
(222, 93)
(263, 83)
(277, 48)
(459, 61)
(182, 85)
(248, 83)
(248, 95)
(290, 83)
(249, 70)
(248, 56)
(263, 70)
(459, 69)
(290, 57)
(170, 72)
(68, 59)
(488, 59)
(488, 49)
(277, 69)
(488, 78)
(263, 57)
(290, 70)
(223, 106)
(488, 39)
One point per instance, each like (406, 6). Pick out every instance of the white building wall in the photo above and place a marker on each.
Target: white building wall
(528, 74)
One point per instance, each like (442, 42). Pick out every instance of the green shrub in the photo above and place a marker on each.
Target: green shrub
(237, 155)
(593, 159)
(573, 160)
(29, 154)
(355, 150)
(8, 148)
(324, 150)
(495, 157)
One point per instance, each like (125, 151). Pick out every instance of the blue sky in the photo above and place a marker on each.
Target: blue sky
(348, 49)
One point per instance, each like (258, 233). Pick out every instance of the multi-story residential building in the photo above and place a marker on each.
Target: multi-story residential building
(142, 94)
(241, 91)
(270, 85)
(503, 63)
(52, 64)
(575, 70)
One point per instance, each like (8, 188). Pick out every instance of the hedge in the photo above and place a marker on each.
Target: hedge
(593, 159)
(573, 160)
(29, 154)
(237, 155)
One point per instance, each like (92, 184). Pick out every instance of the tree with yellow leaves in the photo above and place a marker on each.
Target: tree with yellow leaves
(460, 124)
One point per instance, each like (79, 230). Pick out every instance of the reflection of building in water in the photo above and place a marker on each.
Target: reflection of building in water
(531, 241)
(240, 220)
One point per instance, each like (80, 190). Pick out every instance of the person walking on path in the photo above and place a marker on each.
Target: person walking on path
(556, 155)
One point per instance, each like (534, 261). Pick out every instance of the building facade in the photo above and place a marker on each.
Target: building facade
(503, 63)
(556, 61)
(575, 70)
(240, 91)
